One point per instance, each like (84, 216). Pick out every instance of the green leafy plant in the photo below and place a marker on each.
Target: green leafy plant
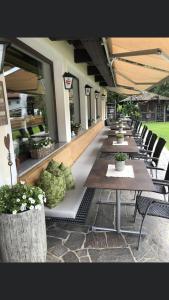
(41, 144)
(20, 197)
(120, 156)
(119, 135)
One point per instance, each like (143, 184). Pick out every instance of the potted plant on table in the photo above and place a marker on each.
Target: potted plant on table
(120, 138)
(120, 159)
(22, 221)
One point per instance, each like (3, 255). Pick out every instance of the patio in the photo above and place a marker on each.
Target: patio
(77, 243)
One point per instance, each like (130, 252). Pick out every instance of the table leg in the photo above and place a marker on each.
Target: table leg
(118, 211)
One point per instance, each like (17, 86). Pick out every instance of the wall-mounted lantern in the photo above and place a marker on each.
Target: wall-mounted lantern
(68, 80)
(2, 55)
(97, 94)
(87, 90)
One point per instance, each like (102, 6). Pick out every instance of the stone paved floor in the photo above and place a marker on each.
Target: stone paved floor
(77, 243)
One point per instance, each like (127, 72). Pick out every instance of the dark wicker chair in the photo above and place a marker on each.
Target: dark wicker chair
(30, 130)
(146, 153)
(151, 207)
(139, 140)
(144, 145)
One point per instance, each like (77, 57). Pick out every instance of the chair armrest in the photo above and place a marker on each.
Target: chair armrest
(161, 182)
(155, 168)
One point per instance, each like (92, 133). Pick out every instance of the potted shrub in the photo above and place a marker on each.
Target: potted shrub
(75, 127)
(22, 224)
(41, 148)
(120, 138)
(22, 220)
(120, 159)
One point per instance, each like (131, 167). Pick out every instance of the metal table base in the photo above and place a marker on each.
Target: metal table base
(118, 228)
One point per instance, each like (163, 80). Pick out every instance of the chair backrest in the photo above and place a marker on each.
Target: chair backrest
(23, 132)
(139, 127)
(148, 137)
(152, 141)
(143, 131)
(167, 173)
(41, 128)
(30, 130)
(159, 147)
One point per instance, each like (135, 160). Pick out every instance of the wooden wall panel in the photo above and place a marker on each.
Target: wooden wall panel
(68, 154)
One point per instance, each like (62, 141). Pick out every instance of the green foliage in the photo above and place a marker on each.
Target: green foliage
(20, 197)
(119, 135)
(53, 186)
(120, 156)
(130, 109)
(161, 89)
(42, 143)
(56, 169)
(111, 97)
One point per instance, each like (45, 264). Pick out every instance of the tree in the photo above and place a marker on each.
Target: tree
(161, 89)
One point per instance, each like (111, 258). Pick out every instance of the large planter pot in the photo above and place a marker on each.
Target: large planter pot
(119, 165)
(23, 236)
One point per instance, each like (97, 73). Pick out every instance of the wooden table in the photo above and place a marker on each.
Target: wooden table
(116, 127)
(113, 132)
(97, 179)
(131, 148)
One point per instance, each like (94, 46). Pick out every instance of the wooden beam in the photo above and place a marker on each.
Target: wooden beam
(99, 78)
(92, 70)
(137, 53)
(97, 53)
(81, 56)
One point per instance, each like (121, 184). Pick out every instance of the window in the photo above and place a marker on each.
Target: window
(32, 106)
(97, 109)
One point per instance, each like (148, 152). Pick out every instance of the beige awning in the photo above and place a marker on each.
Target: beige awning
(24, 82)
(139, 63)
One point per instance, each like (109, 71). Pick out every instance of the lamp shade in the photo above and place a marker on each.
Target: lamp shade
(97, 94)
(87, 90)
(2, 55)
(68, 80)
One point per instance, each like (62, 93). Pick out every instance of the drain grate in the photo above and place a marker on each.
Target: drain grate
(82, 211)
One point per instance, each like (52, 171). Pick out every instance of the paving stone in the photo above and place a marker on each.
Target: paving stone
(74, 227)
(58, 249)
(115, 240)
(105, 216)
(84, 259)
(70, 257)
(52, 241)
(111, 255)
(75, 240)
(82, 252)
(95, 240)
(57, 232)
(52, 258)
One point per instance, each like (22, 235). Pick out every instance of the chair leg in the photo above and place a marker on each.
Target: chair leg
(140, 232)
(135, 213)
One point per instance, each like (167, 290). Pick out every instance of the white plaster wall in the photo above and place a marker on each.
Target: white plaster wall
(4, 130)
(62, 55)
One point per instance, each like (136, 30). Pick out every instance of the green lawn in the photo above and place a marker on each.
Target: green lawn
(161, 129)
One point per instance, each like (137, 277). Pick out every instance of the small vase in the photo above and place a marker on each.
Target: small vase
(120, 141)
(119, 165)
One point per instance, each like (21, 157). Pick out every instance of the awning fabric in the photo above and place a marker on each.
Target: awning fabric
(138, 63)
(24, 82)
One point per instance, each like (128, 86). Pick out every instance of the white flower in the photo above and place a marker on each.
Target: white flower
(31, 200)
(24, 197)
(38, 206)
(18, 200)
(31, 207)
(23, 207)
(40, 197)
(22, 182)
(14, 212)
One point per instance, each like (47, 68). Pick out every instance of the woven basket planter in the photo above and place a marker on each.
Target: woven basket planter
(42, 152)
(23, 236)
